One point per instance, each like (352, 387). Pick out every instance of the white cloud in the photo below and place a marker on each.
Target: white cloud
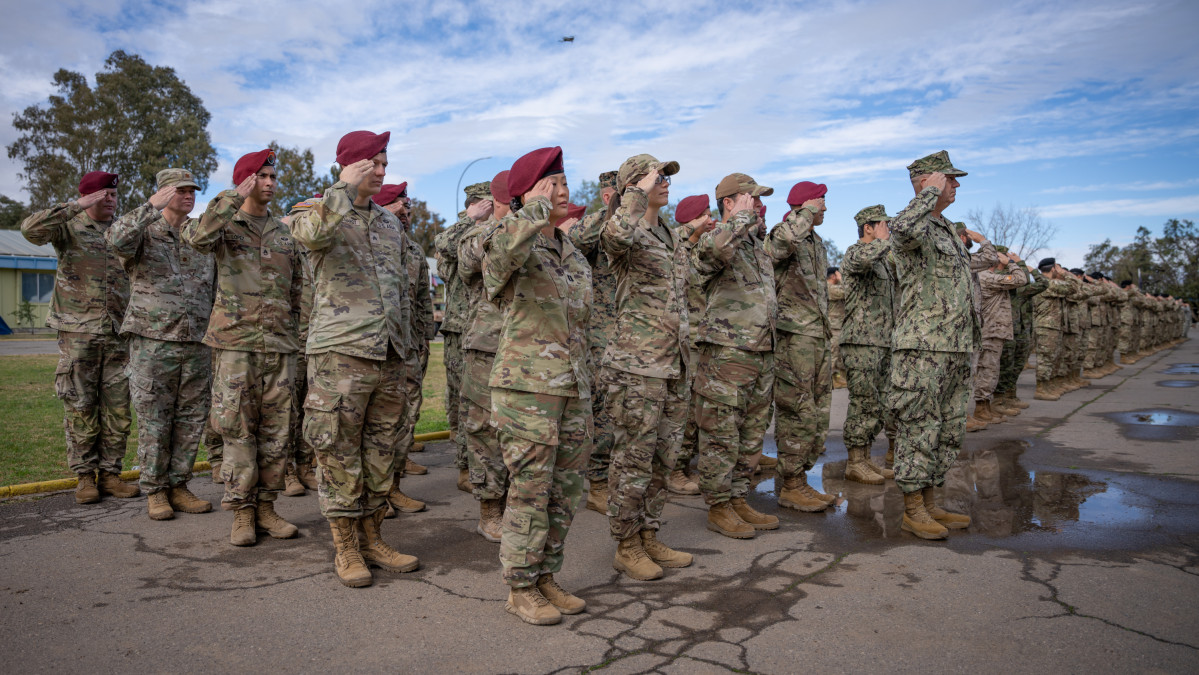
(1173, 206)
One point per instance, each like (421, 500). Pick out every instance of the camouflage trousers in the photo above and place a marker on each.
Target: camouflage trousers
(170, 384)
(91, 382)
(836, 358)
(868, 374)
(987, 374)
(488, 473)
(1011, 363)
(353, 416)
(453, 394)
(414, 377)
(929, 395)
(214, 446)
(648, 415)
(1096, 339)
(545, 440)
(601, 447)
(298, 450)
(1070, 358)
(731, 402)
(690, 445)
(803, 387)
(1126, 342)
(251, 409)
(1049, 354)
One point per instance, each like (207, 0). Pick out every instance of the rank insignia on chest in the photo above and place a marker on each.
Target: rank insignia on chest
(266, 253)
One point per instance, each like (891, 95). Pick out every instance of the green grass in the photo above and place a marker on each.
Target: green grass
(32, 445)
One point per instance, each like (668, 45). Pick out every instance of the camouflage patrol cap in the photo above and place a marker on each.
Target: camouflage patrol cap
(871, 214)
(607, 179)
(1001, 249)
(938, 162)
(175, 178)
(480, 191)
(737, 183)
(636, 167)
(959, 226)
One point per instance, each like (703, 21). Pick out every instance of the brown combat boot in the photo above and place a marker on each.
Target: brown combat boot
(86, 491)
(795, 496)
(916, 519)
(597, 497)
(530, 606)
(756, 519)
(884, 472)
(265, 518)
(1015, 401)
(680, 484)
(1045, 392)
(953, 521)
(889, 459)
(418, 446)
(562, 599)
(722, 519)
(974, 424)
(159, 507)
(347, 560)
(1003, 408)
(768, 462)
(111, 484)
(243, 527)
(662, 554)
(216, 473)
(491, 514)
(292, 487)
(402, 502)
(632, 559)
(376, 552)
(857, 470)
(464, 483)
(411, 468)
(182, 499)
(984, 413)
(1092, 373)
(307, 476)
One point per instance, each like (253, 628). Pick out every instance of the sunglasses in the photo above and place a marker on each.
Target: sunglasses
(662, 180)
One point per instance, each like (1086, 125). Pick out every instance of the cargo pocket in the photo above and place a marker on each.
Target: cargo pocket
(522, 524)
(322, 421)
(64, 382)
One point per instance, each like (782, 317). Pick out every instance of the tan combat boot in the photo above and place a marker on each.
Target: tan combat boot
(111, 484)
(916, 519)
(159, 507)
(722, 519)
(292, 487)
(597, 497)
(376, 552)
(1045, 392)
(755, 518)
(662, 554)
(1004, 407)
(1015, 401)
(974, 424)
(265, 518)
(86, 491)
(491, 514)
(307, 476)
(411, 468)
(797, 494)
(347, 560)
(530, 606)
(680, 484)
(768, 462)
(889, 459)
(418, 446)
(562, 599)
(402, 502)
(216, 473)
(885, 473)
(464, 483)
(953, 521)
(632, 559)
(992, 412)
(182, 499)
(243, 527)
(857, 470)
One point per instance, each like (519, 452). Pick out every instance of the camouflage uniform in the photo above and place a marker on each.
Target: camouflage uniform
(91, 291)
(253, 330)
(1016, 350)
(1097, 302)
(1129, 316)
(170, 369)
(423, 331)
(299, 451)
(1050, 319)
(540, 387)
(1074, 307)
(936, 330)
(869, 271)
(804, 377)
(836, 320)
(646, 363)
(453, 324)
(997, 324)
(359, 339)
(734, 377)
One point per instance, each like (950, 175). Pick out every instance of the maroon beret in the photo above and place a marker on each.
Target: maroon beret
(359, 145)
(527, 170)
(691, 208)
(249, 164)
(94, 181)
(499, 187)
(805, 190)
(389, 193)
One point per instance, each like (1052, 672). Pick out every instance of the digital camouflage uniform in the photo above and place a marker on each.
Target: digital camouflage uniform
(540, 387)
(836, 320)
(91, 291)
(936, 330)
(253, 330)
(299, 451)
(1073, 342)
(454, 321)
(360, 337)
(734, 377)
(996, 324)
(1097, 303)
(423, 331)
(1129, 318)
(1050, 319)
(868, 270)
(646, 362)
(1016, 351)
(170, 369)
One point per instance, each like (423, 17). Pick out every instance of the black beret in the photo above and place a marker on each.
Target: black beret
(831, 271)
(1046, 263)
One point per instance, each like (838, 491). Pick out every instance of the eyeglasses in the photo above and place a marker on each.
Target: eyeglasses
(662, 179)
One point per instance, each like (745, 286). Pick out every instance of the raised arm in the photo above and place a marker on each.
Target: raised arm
(717, 246)
(796, 225)
(512, 243)
(204, 234)
(316, 228)
(50, 226)
(618, 236)
(909, 228)
(860, 258)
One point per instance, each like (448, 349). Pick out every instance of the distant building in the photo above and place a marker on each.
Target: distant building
(26, 273)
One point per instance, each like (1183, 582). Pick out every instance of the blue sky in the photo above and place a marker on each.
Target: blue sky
(1085, 110)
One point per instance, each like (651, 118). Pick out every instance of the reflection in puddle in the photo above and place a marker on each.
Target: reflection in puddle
(1183, 369)
(1160, 424)
(1179, 384)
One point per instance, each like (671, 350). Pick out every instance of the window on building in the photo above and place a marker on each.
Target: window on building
(36, 287)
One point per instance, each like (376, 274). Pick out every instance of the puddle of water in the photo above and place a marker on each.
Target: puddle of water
(1159, 424)
(1183, 369)
(1180, 384)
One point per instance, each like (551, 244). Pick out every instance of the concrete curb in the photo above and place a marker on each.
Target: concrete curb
(22, 489)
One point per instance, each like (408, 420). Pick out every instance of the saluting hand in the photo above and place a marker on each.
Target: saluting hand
(163, 197)
(247, 186)
(357, 172)
(816, 205)
(976, 237)
(743, 202)
(87, 201)
(542, 188)
(480, 210)
(937, 180)
(647, 182)
(1014, 256)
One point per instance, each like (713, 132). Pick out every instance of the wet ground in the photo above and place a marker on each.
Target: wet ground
(1083, 555)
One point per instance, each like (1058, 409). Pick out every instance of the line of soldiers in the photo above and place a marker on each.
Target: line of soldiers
(614, 347)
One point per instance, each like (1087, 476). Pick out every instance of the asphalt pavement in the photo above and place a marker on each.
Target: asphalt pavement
(1083, 557)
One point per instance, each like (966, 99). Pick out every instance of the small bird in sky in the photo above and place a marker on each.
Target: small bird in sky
(568, 38)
